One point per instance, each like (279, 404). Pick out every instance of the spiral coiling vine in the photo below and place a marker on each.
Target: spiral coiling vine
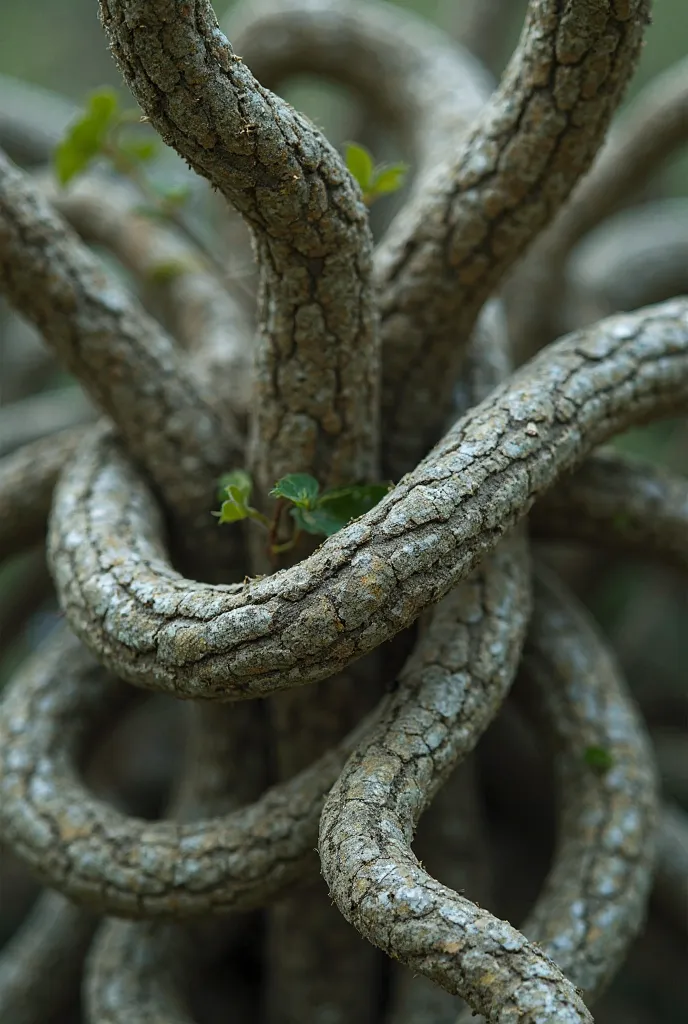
(360, 355)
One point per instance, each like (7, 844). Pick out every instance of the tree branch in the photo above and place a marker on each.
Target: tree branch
(375, 576)
(490, 198)
(50, 944)
(121, 356)
(621, 503)
(654, 126)
(124, 866)
(27, 479)
(317, 366)
(199, 310)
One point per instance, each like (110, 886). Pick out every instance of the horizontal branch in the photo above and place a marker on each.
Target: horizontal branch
(375, 576)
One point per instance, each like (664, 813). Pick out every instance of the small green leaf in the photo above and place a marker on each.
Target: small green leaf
(102, 106)
(167, 270)
(139, 149)
(388, 179)
(174, 196)
(231, 512)
(241, 483)
(359, 163)
(316, 521)
(300, 488)
(598, 758)
(347, 503)
(85, 138)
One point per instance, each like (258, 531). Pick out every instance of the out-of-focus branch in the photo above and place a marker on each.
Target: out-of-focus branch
(618, 502)
(653, 127)
(318, 364)
(372, 578)
(41, 965)
(38, 416)
(32, 120)
(594, 898)
(27, 479)
(634, 258)
(671, 882)
(198, 309)
(481, 25)
(123, 358)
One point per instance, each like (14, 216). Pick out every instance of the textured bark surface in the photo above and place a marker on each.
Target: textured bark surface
(332, 696)
(374, 577)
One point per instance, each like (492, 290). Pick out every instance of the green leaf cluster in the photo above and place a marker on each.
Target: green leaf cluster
(375, 181)
(315, 512)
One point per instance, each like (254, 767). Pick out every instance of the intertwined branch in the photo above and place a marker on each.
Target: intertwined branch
(397, 360)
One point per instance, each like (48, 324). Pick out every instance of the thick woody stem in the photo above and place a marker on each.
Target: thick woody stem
(618, 502)
(317, 367)
(490, 198)
(27, 479)
(375, 576)
(451, 839)
(122, 357)
(41, 965)
(127, 866)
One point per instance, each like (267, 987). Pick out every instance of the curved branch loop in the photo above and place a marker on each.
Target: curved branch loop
(374, 577)
(126, 866)
(451, 688)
